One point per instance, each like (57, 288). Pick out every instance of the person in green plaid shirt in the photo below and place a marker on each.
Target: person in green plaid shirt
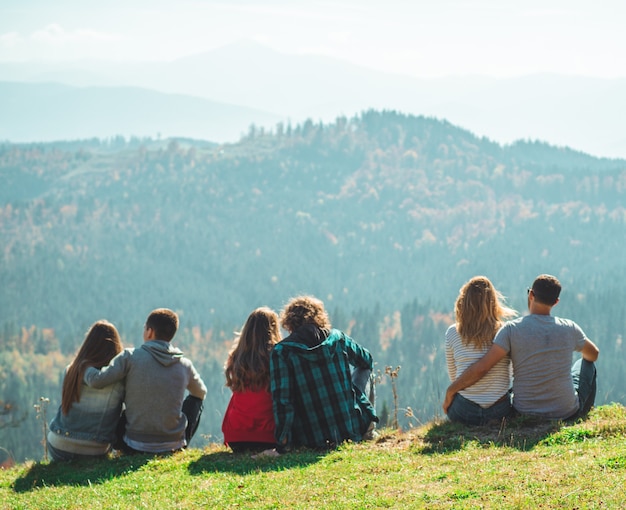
(318, 379)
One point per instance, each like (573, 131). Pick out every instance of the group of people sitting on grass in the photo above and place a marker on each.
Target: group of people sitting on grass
(315, 387)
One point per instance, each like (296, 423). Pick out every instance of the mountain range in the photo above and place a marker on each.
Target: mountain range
(33, 112)
(267, 86)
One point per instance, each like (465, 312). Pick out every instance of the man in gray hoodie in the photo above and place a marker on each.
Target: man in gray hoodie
(158, 416)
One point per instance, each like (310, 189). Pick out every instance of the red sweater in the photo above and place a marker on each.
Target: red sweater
(249, 417)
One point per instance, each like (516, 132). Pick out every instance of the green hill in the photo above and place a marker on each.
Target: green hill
(519, 465)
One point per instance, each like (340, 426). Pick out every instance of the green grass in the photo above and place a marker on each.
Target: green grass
(525, 464)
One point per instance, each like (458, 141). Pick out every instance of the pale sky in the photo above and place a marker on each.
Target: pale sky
(425, 38)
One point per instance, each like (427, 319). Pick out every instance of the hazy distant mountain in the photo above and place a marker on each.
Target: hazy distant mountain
(582, 113)
(51, 111)
(249, 74)
(588, 114)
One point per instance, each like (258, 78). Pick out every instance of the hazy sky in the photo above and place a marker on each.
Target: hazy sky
(420, 37)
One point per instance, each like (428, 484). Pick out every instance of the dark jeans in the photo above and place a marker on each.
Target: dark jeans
(465, 411)
(584, 376)
(250, 446)
(192, 409)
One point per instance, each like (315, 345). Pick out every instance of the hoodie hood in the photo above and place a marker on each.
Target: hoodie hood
(163, 352)
(314, 344)
(309, 335)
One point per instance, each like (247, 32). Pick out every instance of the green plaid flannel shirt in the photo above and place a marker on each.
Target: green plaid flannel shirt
(315, 402)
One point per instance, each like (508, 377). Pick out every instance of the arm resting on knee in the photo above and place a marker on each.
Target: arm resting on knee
(590, 351)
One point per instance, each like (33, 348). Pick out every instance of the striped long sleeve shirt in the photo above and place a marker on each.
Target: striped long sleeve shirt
(460, 356)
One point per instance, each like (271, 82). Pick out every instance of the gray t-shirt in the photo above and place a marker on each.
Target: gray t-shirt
(541, 348)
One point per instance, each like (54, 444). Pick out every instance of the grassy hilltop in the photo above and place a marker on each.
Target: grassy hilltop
(523, 464)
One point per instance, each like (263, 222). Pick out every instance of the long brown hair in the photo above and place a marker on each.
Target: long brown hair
(248, 364)
(480, 311)
(102, 343)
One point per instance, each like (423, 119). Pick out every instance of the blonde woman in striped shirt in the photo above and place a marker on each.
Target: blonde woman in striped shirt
(479, 312)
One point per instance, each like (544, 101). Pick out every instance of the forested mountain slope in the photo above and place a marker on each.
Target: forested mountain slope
(382, 208)
(383, 216)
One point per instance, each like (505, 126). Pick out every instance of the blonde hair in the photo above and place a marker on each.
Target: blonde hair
(480, 312)
(304, 310)
(248, 363)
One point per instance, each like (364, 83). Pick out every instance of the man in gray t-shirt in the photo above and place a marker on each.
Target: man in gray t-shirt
(541, 346)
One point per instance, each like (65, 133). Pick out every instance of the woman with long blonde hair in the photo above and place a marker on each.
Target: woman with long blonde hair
(248, 423)
(479, 312)
(85, 424)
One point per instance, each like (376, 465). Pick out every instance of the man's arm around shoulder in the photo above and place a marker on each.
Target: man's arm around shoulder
(115, 371)
(474, 373)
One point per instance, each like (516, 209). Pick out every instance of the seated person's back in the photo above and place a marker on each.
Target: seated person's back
(87, 419)
(479, 311)
(541, 349)
(315, 401)
(248, 423)
(158, 416)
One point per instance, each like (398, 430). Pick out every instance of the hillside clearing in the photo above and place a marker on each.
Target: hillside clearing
(441, 465)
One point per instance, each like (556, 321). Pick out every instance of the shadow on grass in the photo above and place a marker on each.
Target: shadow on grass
(525, 432)
(79, 473)
(244, 463)
(522, 433)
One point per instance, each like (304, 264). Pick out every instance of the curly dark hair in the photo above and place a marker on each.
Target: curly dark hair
(304, 310)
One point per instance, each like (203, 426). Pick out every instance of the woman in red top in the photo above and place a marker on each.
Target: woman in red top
(249, 419)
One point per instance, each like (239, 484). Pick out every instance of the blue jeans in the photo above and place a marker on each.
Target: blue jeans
(465, 411)
(584, 376)
(62, 456)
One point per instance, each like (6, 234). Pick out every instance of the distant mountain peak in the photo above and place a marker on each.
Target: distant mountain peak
(240, 49)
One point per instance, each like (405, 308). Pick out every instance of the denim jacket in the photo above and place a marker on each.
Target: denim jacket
(95, 417)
